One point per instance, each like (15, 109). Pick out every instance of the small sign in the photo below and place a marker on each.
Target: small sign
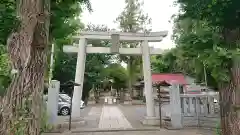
(115, 43)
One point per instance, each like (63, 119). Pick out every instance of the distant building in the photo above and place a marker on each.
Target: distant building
(169, 77)
(187, 83)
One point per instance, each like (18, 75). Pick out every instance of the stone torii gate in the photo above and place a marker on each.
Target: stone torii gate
(82, 49)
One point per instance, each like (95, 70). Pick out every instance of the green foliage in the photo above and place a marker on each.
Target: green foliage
(24, 113)
(64, 19)
(159, 65)
(118, 74)
(64, 23)
(198, 45)
(8, 19)
(4, 64)
(222, 13)
(210, 30)
(19, 124)
(206, 34)
(98, 67)
(8, 23)
(65, 64)
(133, 19)
(45, 126)
(218, 129)
(64, 16)
(4, 70)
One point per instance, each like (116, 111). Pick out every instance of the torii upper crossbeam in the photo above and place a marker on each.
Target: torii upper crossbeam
(82, 49)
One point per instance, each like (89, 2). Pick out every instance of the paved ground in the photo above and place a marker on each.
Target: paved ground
(162, 132)
(84, 112)
(91, 115)
(122, 117)
(112, 117)
(135, 114)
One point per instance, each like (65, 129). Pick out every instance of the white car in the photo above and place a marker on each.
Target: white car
(66, 97)
(64, 104)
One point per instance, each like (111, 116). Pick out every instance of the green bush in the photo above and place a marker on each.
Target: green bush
(45, 126)
(22, 121)
(218, 129)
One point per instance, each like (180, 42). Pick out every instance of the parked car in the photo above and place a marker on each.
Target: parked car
(68, 99)
(64, 104)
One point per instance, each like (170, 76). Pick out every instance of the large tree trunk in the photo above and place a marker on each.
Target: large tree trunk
(230, 102)
(27, 52)
(130, 75)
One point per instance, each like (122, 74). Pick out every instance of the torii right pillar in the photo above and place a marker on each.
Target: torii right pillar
(150, 118)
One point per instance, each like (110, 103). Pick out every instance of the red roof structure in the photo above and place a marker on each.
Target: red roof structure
(168, 77)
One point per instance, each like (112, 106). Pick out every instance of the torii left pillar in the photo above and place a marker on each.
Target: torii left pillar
(150, 118)
(79, 78)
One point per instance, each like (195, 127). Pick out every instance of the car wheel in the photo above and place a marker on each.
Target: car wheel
(65, 111)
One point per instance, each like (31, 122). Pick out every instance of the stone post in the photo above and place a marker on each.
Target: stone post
(79, 77)
(175, 103)
(91, 98)
(52, 102)
(150, 118)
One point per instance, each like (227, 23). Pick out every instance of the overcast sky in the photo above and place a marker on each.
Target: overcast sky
(160, 11)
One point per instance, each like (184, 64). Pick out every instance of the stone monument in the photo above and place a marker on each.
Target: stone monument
(52, 101)
(127, 98)
(91, 98)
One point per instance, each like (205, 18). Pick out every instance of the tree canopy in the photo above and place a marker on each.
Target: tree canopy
(133, 19)
(202, 40)
(118, 74)
(206, 34)
(65, 22)
(98, 67)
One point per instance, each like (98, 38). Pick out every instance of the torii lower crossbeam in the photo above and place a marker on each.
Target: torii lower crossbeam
(107, 50)
(82, 49)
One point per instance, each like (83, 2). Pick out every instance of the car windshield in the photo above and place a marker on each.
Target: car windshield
(66, 97)
(63, 99)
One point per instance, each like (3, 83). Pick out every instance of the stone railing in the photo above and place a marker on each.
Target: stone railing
(201, 110)
(204, 104)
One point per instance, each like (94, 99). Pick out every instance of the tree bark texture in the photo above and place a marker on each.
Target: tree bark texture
(230, 102)
(130, 76)
(27, 52)
(133, 63)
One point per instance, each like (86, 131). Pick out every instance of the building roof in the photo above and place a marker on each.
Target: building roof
(168, 77)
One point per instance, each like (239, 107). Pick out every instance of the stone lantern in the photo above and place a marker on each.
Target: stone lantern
(161, 95)
(139, 87)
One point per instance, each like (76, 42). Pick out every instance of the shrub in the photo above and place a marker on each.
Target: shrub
(218, 129)
(45, 126)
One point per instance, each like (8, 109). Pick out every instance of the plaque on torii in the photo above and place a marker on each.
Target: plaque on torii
(115, 43)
